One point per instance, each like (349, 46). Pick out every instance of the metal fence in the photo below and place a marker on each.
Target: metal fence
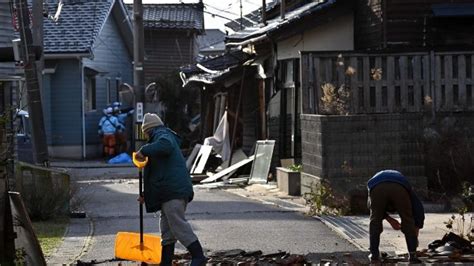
(391, 82)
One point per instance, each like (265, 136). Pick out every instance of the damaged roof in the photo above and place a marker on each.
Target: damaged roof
(257, 30)
(214, 69)
(172, 16)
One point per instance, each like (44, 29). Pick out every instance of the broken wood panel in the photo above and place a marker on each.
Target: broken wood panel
(448, 82)
(228, 170)
(417, 83)
(462, 100)
(403, 65)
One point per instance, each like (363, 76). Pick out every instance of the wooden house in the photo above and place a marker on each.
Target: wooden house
(171, 32)
(88, 54)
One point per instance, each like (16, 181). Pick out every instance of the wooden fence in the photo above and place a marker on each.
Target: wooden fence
(391, 83)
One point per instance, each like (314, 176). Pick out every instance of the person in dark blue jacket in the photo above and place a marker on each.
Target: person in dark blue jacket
(390, 191)
(168, 188)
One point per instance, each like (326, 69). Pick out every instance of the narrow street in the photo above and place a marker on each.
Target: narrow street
(222, 221)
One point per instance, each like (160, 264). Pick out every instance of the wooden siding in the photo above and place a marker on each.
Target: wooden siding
(66, 126)
(408, 24)
(112, 58)
(368, 30)
(6, 35)
(167, 50)
(410, 82)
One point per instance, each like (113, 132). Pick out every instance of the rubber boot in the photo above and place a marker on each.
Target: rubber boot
(167, 254)
(412, 244)
(197, 255)
(374, 248)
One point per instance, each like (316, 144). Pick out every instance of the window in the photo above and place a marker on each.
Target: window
(90, 91)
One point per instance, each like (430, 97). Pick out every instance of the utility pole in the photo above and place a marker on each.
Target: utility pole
(38, 38)
(264, 12)
(32, 86)
(241, 17)
(138, 63)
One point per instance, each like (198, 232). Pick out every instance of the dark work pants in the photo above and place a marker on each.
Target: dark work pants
(380, 198)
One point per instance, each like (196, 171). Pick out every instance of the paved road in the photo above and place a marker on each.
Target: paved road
(221, 220)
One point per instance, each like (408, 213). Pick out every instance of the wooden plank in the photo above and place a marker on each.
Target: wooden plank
(379, 108)
(391, 83)
(462, 81)
(315, 65)
(354, 95)
(417, 83)
(426, 77)
(366, 80)
(403, 82)
(472, 81)
(438, 94)
(328, 70)
(448, 81)
(228, 170)
(305, 87)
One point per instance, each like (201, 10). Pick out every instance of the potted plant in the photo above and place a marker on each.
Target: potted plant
(289, 179)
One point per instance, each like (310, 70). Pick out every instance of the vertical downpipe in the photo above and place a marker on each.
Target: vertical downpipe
(83, 115)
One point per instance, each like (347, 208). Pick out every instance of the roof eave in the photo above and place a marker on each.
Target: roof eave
(67, 55)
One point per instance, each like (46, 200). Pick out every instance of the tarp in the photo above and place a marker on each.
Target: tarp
(220, 142)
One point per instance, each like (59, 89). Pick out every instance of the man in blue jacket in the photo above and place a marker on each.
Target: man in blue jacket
(390, 191)
(168, 187)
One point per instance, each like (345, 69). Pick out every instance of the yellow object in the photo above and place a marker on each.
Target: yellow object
(137, 163)
(128, 247)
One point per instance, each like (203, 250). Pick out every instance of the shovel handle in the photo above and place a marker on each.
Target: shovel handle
(140, 205)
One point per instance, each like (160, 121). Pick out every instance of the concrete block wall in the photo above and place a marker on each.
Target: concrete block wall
(348, 150)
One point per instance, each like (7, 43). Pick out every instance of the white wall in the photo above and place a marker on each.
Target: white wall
(334, 35)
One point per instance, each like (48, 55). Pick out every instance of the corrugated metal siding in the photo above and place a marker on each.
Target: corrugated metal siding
(66, 104)
(111, 57)
(166, 51)
(6, 34)
(368, 24)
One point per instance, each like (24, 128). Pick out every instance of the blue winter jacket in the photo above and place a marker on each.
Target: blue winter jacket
(397, 177)
(122, 118)
(109, 124)
(165, 175)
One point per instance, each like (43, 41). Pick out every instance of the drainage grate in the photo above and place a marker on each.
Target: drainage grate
(347, 226)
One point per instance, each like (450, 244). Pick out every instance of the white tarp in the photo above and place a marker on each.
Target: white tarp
(220, 141)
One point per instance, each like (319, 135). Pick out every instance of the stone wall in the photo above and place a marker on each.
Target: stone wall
(348, 150)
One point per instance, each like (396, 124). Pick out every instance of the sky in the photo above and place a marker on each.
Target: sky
(226, 8)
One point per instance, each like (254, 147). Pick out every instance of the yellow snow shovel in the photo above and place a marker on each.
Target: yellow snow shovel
(134, 246)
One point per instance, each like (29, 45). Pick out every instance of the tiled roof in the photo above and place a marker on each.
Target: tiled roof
(211, 40)
(277, 23)
(172, 16)
(78, 26)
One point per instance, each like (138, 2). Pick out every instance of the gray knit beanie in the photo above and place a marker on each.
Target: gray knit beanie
(150, 121)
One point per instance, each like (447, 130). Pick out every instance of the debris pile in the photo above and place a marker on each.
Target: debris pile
(241, 257)
(451, 248)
